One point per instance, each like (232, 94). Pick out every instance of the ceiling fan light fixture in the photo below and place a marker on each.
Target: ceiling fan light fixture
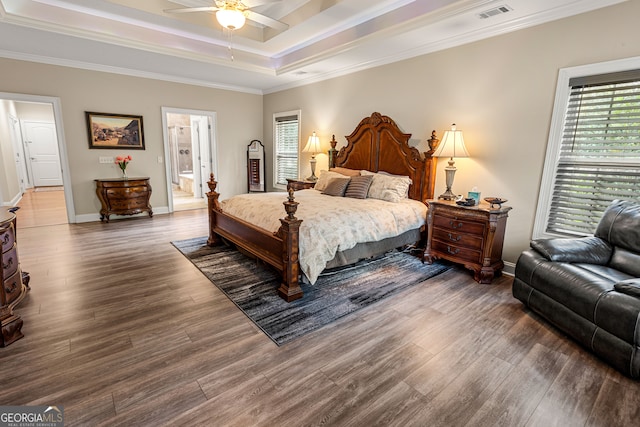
(231, 19)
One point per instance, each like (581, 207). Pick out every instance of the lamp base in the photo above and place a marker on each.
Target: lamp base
(312, 163)
(312, 178)
(447, 195)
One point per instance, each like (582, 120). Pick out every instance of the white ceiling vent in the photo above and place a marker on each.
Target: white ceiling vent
(495, 11)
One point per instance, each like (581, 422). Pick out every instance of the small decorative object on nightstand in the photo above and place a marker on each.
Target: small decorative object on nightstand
(472, 236)
(298, 184)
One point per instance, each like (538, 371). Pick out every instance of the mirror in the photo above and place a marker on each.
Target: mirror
(255, 167)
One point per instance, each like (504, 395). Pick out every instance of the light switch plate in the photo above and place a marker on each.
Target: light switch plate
(106, 159)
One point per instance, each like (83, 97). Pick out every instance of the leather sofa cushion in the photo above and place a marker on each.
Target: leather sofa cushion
(626, 261)
(592, 250)
(629, 287)
(619, 225)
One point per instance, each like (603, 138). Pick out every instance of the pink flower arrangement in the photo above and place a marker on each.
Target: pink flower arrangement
(122, 162)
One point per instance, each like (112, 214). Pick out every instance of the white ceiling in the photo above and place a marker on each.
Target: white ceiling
(325, 38)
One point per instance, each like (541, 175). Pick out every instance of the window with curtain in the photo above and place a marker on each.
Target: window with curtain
(596, 155)
(286, 147)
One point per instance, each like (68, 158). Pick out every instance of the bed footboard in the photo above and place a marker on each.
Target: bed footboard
(278, 249)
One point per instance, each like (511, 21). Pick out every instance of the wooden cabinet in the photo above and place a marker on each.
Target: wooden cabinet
(299, 184)
(120, 196)
(472, 236)
(14, 281)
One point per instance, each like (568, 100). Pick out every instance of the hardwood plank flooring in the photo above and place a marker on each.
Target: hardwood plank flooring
(42, 206)
(121, 329)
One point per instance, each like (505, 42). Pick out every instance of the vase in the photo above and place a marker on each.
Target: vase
(124, 174)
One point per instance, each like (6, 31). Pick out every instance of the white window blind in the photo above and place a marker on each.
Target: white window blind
(599, 158)
(286, 148)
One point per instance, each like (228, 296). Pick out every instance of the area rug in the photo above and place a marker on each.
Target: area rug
(252, 286)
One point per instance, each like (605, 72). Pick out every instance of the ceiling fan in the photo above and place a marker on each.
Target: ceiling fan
(231, 14)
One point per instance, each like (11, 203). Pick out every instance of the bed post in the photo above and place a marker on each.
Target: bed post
(213, 207)
(332, 152)
(289, 232)
(430, 167)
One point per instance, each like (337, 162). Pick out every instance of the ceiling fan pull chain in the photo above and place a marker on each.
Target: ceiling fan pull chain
(230, 37)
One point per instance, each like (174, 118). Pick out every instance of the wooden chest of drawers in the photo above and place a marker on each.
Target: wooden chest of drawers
(121, 196)
(472, 236)
(14, 282)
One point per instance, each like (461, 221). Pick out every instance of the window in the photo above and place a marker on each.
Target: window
(593, 155)
(286, 142)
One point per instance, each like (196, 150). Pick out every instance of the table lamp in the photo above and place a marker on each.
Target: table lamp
(452, 145)
(313, 147)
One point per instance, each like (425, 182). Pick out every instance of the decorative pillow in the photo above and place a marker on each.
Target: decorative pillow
(336, 187)
(325, 177)
(391, 188)
(359, 186)
(629, 287)
(345, 171)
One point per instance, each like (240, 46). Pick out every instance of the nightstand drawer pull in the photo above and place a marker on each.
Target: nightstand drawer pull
(453, 251)
(455, 225)
(454, 239)
(8, 265)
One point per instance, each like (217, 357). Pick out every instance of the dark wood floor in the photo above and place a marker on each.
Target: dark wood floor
(121, 329)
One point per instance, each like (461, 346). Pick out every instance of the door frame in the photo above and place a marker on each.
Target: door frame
(212, 115)
(62, 145)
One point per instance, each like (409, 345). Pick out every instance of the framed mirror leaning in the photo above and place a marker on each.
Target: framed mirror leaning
(256, 167)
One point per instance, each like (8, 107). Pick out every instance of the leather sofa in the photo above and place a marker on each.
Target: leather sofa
(590, 287)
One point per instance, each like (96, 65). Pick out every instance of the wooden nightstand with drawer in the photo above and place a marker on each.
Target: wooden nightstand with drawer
(472, 236)
(299, 184)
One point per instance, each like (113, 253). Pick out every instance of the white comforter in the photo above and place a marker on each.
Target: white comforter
(330, 224)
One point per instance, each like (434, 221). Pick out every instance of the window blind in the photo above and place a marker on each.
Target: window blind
(599, 159)
(286, 147)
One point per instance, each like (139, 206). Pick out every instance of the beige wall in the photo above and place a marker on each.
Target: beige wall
(499, 91)
(239, 121)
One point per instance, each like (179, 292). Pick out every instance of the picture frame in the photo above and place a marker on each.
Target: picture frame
(115, 131)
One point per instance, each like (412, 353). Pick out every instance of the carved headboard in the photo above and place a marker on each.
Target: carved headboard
(377, 144)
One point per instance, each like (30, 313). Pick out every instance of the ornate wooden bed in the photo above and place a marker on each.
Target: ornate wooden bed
(377, 144)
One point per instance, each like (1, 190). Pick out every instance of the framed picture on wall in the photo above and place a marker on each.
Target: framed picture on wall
(119, 131)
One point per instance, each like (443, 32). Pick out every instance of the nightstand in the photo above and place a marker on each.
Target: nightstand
(472, 236)
(299, 184)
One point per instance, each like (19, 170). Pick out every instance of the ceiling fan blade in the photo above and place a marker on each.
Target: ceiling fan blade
(265, 20)
(254, 3)
(192, 9)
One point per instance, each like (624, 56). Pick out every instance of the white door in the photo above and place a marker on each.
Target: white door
(16, 139)
(41, 147)
(201, 149)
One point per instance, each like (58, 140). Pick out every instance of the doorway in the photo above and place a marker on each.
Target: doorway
(190, 156)
(36, 139)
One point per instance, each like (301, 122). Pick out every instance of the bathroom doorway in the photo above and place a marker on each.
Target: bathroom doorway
(190, 154)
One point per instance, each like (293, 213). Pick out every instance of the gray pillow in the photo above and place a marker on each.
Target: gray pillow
(336, 187)
(359, 187)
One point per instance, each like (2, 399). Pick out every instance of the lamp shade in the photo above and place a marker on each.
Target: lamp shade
(313, 144)
(452, 144)
(231, 19)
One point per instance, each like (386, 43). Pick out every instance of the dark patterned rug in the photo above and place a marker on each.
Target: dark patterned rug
(337, 292)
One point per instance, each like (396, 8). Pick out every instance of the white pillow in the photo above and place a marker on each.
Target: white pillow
(391, 188)
(325, 177)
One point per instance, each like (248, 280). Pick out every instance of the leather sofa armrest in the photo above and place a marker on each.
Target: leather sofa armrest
(591, 250)
(629, 287)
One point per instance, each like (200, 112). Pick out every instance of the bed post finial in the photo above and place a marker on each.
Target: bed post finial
(433, 143)
(291, 206)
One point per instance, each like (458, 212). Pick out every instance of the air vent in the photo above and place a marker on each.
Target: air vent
(495, 11)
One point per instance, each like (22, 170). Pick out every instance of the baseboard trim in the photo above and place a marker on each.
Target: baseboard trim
(94, 217)
(509, 269)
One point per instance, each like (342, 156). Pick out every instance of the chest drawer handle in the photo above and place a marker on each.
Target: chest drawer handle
(455, 224)
(6, 238)
(10, 289)
(454, 238)
(8, 264)
(452, 251)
